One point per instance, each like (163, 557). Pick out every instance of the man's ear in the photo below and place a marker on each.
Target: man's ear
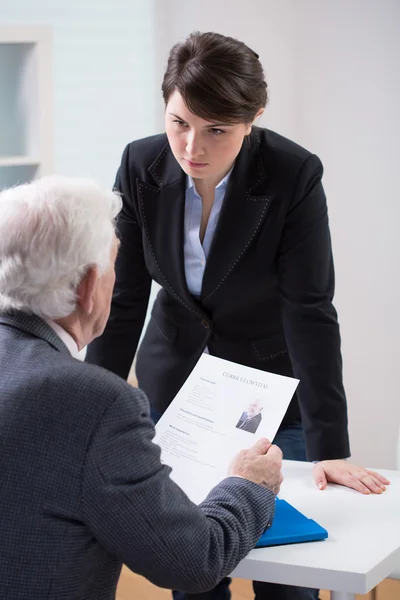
(87, 289)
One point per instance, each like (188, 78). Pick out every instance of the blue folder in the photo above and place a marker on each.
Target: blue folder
(290, 527)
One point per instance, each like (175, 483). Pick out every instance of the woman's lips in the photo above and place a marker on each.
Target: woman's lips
(195, 165)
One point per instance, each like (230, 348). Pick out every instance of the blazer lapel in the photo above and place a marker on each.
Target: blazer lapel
(162, 207)
(243, 213)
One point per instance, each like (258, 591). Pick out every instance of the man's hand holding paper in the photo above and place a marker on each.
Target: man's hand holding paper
(262, 464)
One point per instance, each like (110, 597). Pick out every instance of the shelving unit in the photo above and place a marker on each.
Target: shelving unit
(25, 104)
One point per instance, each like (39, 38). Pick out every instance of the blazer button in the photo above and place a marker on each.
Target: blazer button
(205, 324)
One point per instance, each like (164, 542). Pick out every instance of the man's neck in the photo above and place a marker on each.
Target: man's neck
(65, 337)
(72, 326)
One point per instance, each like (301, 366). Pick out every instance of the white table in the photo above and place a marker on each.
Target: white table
(362, 549)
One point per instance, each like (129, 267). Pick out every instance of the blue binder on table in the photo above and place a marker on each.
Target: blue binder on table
(290, 526)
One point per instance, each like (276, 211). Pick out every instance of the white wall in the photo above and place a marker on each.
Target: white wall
(104, 77)
(348, 82)
(332, 70)
(334, 87)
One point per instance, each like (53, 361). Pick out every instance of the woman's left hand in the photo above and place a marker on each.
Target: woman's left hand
(344, 473)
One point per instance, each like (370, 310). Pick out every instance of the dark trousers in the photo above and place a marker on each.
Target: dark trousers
(291, 441)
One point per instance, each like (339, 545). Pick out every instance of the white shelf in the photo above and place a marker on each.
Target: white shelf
(21, 34)
(19, 161)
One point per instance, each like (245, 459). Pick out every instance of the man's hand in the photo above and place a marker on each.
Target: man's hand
(262, 464)
(344, 473)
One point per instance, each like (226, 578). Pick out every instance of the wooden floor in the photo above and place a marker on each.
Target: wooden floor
(133, 587)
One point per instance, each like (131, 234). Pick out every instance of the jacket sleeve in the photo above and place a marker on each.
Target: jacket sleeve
(306, 279)
(116, 348)
(142, 517)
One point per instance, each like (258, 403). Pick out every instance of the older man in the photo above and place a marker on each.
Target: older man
(250, 419)
(82, 488)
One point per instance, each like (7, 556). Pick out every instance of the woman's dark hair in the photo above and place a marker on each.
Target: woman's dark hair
(219, 78)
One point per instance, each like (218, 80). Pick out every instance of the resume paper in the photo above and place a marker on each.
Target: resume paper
(221, 409)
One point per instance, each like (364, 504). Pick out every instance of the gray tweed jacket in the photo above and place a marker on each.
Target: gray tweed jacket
(82, 489)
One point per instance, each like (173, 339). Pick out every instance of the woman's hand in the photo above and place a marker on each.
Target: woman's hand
(344, 473)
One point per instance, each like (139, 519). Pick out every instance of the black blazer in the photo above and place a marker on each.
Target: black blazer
(266, 299)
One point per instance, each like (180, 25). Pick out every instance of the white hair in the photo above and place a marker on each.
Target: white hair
(51, 231)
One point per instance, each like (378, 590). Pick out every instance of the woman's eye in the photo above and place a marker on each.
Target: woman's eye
(180, 123)
(215, 131)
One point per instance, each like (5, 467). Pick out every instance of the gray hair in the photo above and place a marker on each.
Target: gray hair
(51, 231)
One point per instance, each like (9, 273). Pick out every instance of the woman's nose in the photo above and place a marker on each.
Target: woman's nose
(193, 146)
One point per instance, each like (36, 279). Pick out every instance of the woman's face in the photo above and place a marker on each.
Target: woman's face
(203, 149)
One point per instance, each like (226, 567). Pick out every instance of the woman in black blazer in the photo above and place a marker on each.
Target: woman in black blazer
(231, 220)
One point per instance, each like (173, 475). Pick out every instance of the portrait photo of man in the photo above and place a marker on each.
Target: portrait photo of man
(251, 419)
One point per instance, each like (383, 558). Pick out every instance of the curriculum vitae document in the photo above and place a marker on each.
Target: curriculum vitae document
(222, 408)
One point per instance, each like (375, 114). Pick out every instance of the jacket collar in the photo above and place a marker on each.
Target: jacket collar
(165, 169)
(34, 326)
